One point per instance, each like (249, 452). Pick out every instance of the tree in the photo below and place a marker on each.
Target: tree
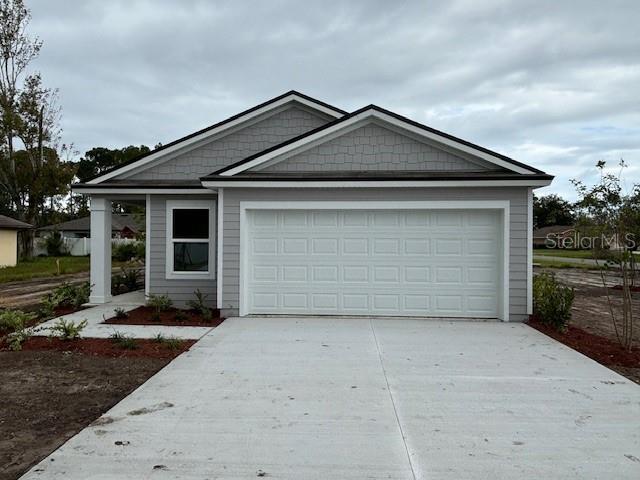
(32, 177)
(612, 219)
(552, 210)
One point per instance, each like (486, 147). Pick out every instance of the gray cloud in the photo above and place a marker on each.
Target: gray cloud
(555, 84)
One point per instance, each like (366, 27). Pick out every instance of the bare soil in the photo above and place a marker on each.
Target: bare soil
(48, 395)
(146, 316)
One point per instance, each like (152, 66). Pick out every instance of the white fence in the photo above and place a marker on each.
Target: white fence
(78, 247)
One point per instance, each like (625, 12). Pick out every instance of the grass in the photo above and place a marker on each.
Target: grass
(561, 252)
(548, 263)
(40, 267)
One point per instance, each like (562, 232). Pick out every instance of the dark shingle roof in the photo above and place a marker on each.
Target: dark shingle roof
(8, 223)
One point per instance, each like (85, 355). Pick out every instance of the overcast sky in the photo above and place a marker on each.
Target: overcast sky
(552, 83)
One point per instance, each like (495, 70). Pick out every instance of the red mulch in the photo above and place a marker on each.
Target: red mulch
(607, 352)
(144, 316)
(104, 347)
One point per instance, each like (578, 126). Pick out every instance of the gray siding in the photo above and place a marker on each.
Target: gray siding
(517, 228)
(180, 291)
(234, 146)
(375, 148)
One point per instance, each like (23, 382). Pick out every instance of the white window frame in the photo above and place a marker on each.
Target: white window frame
(172, 205)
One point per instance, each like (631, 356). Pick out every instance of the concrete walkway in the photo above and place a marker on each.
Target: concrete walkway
(128, 301)
(326, 398)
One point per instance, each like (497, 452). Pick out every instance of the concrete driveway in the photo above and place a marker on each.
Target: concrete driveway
(335, 398)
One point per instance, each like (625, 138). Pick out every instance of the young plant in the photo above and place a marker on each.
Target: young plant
(130, 279)
(123, 341)
(180, 316)
(120, 313)
(199, 305)
(67, 329)
(172, 343)
(16, 339)
(67, 295)
(552, 301)
(12, 320)
(161, 303)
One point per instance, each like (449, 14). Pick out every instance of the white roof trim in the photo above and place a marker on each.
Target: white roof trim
(373, 183)
(215, 131)
(371, 113)
(87, 190)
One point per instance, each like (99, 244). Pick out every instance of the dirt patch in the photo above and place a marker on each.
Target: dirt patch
(50, 395)
(184, 318)
(105, 347)
(603, 350)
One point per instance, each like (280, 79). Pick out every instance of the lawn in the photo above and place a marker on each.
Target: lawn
(46, 267)
(549, 263)
(563, 252)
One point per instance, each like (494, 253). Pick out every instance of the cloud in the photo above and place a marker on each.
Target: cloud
(554, 84)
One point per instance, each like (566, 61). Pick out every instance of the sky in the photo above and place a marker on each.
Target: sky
(555, 84)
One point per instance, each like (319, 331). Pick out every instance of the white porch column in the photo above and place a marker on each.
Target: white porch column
(100, 250)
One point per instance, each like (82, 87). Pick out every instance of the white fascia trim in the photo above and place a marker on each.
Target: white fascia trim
(502, 205)
(141, 191)
(172, 205)
(530, 251)
(147, 246)
(385, 118)
(204, 135)
(373, 183)
(220, 241)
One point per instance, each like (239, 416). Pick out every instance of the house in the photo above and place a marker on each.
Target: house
(297, 207)
(552, 236)
(9, 229)
(123, 225)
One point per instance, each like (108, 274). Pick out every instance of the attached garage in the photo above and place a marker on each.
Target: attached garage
(374, 258)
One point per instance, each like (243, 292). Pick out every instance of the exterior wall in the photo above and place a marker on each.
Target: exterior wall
(375, 148)
(8, 248)
(180, 291)
(517, 196)
(235, 146)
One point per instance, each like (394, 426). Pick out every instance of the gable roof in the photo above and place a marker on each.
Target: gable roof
(380, 114)
(203, 134)
(119, 221)
(8, 223)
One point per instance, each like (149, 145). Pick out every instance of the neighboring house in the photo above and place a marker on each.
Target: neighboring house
(9, 229)
(297, 207)
(552, 236)
(123, 225)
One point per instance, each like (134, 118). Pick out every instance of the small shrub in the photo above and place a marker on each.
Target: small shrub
(172, 343)
(180, 316)
(67, 329)
(131, 278)
(54, 244)
(124, 252)
(199, 305)
(161, 303)
(16, 339)
(159, 338)
(124, 341)
(12, 320)
(47, 309)
(67, 295)
(120, 313)
(552, 301)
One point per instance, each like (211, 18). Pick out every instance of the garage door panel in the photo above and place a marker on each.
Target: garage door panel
(415, 262)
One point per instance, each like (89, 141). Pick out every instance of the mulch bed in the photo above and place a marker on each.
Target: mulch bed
(607, 352)
(104, 347)
(145, 316)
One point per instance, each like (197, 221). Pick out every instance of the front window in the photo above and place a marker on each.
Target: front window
(190, 239)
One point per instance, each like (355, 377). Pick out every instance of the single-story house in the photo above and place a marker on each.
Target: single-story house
(123, 225)
(552, 236)
(297, 207)
(9, 228)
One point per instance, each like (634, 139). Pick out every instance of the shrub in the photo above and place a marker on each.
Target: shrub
(123, 341)
(200, 306)
(128, 279)
(67, 329)
(12, 320)
(161, 303)
(120, 313)
(55, 245)
(180, 316)
(16, 339)
(172, 343)
(67, 295)
(552, 301)
(123, 252)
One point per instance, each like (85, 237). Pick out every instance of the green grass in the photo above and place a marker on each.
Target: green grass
(543, 262)
(561, 252)
(45, 267)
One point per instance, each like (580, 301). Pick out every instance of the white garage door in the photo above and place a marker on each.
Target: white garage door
(443, 263)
